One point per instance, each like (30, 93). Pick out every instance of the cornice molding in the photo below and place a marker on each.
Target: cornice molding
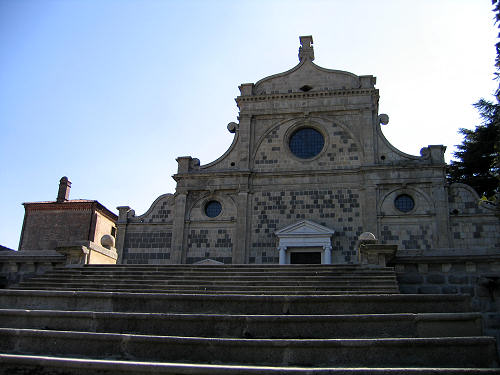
(52, 206)
(300, 95)
(71, 206)
(306, 172)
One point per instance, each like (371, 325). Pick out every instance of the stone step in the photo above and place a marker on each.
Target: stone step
(225, 279)
(229, 285)
(221, 267)
(249, 326)
(288, 318)
(282, 289)
(226, 271)
(202, 277)
(43, 365)
(220, 284)
(271, 292)
(381, 352)
(233, 304)
(221, 275)
(220, 270)
(319, 284)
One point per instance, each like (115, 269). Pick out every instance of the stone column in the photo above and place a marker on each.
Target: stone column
(327, 259)
(282, 250)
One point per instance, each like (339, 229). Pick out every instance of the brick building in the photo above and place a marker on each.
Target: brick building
(308, 172)
(65, 222)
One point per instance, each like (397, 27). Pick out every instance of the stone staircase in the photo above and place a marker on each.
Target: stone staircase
(240, 319)
(223, 279)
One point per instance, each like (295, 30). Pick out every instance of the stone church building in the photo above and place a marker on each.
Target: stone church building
(309, 170)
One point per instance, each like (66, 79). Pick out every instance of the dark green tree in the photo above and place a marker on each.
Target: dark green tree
(496, 9)
(478, 157)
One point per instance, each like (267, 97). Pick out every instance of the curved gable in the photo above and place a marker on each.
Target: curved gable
(161, 211)
(307, 76)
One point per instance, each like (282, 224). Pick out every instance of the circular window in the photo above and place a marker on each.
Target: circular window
(213, 209)
(306, 143)
(404, 203)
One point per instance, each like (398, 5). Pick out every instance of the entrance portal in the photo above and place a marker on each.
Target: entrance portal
(305, 257)
(305, 242)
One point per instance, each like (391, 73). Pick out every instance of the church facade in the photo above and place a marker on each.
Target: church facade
(309, 170)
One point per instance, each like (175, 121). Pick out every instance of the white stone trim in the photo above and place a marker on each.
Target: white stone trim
(305, 234)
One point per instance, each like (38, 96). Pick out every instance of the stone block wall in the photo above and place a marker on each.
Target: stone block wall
(147, 239)
(146, 244)
(408, 236)
(455, 272)
(349, 186)
(272, 210)
(209, 243)
(463, 200)
(467, 232)
(471, 225)
(272, 153)
(210, 237)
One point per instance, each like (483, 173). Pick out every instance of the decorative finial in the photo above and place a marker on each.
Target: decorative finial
(383, 119)
(306, 50)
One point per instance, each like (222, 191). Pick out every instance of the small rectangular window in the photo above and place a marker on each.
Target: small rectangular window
(113, 231)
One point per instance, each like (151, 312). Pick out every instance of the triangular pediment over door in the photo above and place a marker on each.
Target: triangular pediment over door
(304, 234)
(304, 228)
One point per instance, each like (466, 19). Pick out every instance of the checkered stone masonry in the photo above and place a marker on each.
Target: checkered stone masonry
(214, 244)
(408, 236)
(343, 108)
(147, 247)
(462, 202)
(161, 214)
(468, 233)
(343, 148)
(341, 151)
(338, 209)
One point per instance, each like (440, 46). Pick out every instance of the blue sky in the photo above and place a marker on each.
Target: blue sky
(110, 92)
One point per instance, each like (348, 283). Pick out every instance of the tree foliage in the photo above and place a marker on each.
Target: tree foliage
(496, 9)
(478, 156)
(477, 163)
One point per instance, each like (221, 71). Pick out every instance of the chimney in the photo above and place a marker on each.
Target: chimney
(64, 189)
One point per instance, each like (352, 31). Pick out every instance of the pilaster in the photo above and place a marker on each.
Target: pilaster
(121, 229)
(440, 198)
(240, 244)
(245, 140)
(369, 209)
(178, 228)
